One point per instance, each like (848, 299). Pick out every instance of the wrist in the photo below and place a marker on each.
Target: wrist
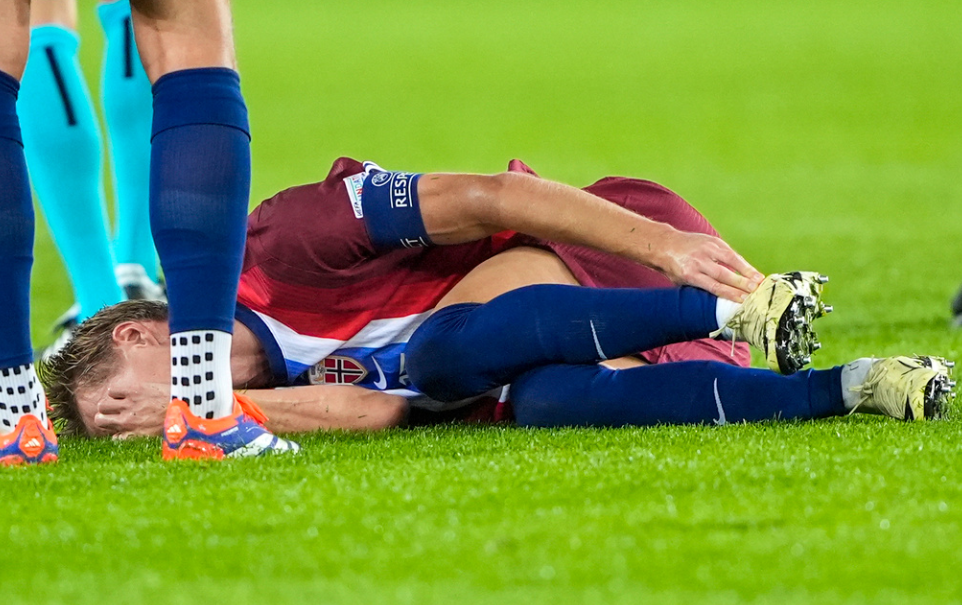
(655, 250)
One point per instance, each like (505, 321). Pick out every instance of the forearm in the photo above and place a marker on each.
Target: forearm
(325, 407)
(460, 208)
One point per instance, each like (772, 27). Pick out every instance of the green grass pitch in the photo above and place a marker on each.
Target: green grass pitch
(820, 135)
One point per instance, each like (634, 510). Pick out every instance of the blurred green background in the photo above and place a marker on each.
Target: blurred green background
(822, 135)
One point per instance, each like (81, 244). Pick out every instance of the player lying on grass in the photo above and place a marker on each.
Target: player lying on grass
(409, 286)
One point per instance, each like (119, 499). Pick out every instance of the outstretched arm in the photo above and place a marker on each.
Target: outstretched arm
(458, 208)
(329, 407)
(289, 410)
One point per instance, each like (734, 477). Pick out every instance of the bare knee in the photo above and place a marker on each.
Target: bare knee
(173, 35)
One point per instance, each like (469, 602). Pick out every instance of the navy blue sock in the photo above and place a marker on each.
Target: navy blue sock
(468, 349)
(16, 233)
(199, 192)
(691, 392)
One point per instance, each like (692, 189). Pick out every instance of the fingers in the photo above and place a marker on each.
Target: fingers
(110, 423)
(748, 274)
(709, 263)
(729, 293)
(727, 278)
(120, 426)
(112, 406)
(112, 419)
(715, 267)
(718, 288)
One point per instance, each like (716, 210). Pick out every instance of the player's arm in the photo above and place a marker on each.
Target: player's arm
(329, 407)
(458, 208)
(290, 410)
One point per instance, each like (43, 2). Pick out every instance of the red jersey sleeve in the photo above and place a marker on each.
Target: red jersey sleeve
(309, 232)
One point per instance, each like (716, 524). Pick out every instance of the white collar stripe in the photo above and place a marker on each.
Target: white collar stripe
(299, 347)
(383, 332)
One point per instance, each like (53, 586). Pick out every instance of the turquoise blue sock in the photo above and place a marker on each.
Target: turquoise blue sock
(64, 157)
(128, 110)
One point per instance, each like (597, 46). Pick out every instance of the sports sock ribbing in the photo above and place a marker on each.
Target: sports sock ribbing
(21, 394)
(64, 156)
(16, 259)
(690, 392)
(199, 190)
(545, 324)
(127, 101)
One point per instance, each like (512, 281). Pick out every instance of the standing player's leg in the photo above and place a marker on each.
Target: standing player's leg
(199, 192)
(127, 102)
(65, 156)
(26, 435)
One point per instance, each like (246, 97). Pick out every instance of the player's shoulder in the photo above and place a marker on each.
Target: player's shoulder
(330, 190)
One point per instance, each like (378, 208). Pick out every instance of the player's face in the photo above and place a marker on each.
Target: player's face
(133, 400)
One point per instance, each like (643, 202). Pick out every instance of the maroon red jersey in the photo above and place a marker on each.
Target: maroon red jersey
(331, 308)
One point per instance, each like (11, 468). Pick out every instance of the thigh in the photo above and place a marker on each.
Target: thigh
(183, 34)
(14, 36)
(513, 269)
(509, 270)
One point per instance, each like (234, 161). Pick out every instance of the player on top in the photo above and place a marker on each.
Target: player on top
(421, 286)
(199, 187)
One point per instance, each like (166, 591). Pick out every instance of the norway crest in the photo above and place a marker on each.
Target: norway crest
(337, 369)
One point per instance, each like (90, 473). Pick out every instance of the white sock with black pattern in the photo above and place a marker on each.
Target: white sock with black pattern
(21, 394)
(200, 372)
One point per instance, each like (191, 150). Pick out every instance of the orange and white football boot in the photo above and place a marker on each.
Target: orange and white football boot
(240, 435)
(30, 442)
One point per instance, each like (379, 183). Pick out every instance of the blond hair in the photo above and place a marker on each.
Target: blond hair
(88, 360)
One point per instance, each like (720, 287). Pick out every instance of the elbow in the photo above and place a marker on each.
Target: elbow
(488, 196)
(396, 413)
(391, 412)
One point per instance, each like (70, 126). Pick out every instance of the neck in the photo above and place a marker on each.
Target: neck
(248, 362)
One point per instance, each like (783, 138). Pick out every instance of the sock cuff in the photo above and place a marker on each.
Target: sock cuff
(9, 122)
(54, 35)
(21, 360)
(698, 308)
(825, 392)
(111, 12)
(9, 86)
(206, 95)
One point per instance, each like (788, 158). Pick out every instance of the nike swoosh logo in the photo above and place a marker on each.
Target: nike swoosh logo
(594, 335)
(721, 411)
(381, 382)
